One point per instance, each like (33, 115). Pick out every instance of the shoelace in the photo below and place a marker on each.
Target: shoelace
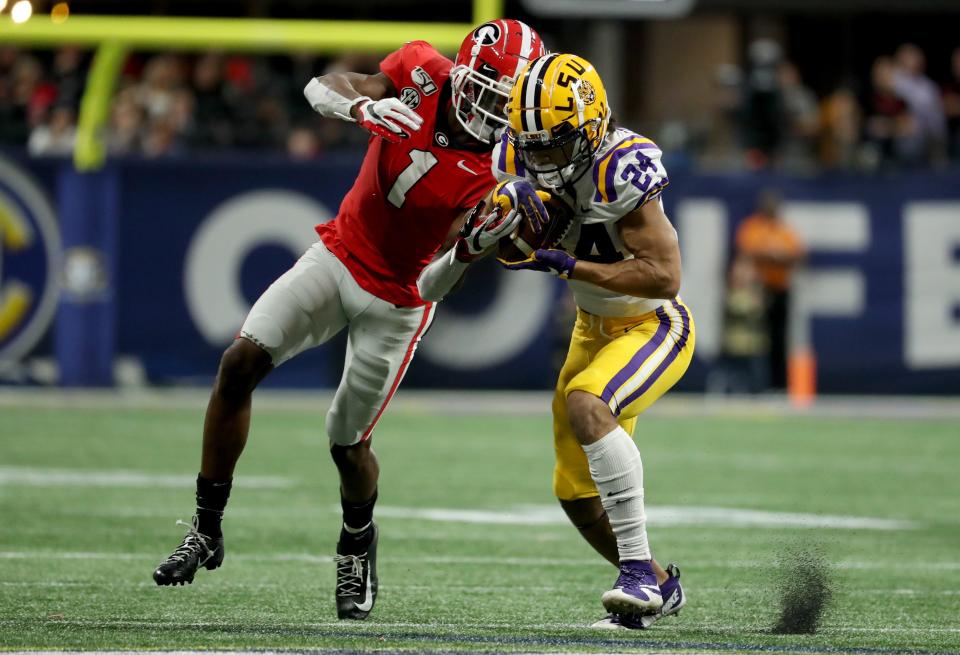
(193, 544)
(349, 574)
(633, 576)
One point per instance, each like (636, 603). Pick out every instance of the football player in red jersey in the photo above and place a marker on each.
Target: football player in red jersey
(433, 124)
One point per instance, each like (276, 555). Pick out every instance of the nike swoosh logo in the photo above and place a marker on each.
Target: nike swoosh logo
(674, 599)
(367, 603)
(461, 164)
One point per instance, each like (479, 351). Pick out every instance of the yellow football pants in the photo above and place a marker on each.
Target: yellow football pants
(626, 362)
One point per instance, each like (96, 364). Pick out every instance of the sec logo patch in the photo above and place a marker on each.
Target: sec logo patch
(410, 97)
(30, 256)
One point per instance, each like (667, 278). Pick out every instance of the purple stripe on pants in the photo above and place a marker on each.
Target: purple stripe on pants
(639, 358)
(667, 361)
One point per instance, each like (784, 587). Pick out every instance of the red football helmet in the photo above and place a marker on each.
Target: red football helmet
(488, 62)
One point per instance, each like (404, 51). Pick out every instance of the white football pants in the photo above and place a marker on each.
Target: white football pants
(312, 302)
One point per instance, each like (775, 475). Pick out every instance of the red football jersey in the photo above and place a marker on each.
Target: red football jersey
(407, 195)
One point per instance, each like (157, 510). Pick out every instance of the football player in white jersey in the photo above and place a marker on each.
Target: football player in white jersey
(633, 337)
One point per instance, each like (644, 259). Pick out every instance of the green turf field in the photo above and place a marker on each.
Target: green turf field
(474, 554)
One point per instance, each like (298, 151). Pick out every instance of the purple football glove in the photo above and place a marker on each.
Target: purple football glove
(550, 261)
(520, 194)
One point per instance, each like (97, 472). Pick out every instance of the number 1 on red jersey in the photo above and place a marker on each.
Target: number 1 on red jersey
(420, 164)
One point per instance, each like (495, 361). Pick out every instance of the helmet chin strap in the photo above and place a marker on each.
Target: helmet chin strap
(552, 180)
(563, 178)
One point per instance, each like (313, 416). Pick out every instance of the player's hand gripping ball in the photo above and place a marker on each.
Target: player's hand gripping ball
(544, 220)
(484, 228)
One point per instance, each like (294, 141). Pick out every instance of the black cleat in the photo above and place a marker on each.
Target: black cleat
(356, 562)
(195, 551)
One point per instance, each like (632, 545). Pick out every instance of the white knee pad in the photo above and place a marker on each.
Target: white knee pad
(339, 431)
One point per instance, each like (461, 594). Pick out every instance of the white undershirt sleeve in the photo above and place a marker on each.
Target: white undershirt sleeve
(329, 103)
(440, 276)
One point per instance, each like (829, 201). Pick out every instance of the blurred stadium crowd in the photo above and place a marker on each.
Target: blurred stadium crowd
(899, 118)
(170, 104)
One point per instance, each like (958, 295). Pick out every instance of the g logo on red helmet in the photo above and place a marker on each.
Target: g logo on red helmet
(487, 34)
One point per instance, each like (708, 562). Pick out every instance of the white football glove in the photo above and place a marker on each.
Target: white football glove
(478, 234)
(388, 118)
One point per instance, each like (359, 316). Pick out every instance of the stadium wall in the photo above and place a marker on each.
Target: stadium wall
(181, 247)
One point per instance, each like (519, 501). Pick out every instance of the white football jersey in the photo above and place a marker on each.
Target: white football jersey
(626, 173)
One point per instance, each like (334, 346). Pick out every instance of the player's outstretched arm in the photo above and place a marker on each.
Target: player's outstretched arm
(654, 271)
(480, 232)
(369, 100)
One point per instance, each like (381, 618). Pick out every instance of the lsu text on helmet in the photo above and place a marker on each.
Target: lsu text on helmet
(558, 117)
(488, 62)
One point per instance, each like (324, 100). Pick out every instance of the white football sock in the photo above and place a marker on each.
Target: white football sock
(618, 473)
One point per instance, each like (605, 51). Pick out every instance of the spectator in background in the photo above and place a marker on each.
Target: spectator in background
(775, 249)
(212, 118)
(925, 144)
(255, 97)
(745, 345)
(161, 139)
(800, 118)
(14, 128)
(23, 98)
(840, 130)
(68, 76)
(889, 122)
(55, 137)
(126, 125)
(762, 117)
(182, 113)
(951, 105)
(162, 75)
(721, 148)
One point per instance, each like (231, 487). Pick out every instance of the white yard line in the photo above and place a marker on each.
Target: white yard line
(536, 515)
(54, 477)
(475, 402)
(660, 515)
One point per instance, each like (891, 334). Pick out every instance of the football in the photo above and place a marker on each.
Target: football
(525, 239)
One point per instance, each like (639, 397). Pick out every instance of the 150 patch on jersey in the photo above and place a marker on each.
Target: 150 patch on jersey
(422, 79)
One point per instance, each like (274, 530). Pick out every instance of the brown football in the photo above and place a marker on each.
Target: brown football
(521, 244)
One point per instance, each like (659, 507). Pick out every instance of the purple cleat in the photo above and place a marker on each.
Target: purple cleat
(636, 590)
(673, 600)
